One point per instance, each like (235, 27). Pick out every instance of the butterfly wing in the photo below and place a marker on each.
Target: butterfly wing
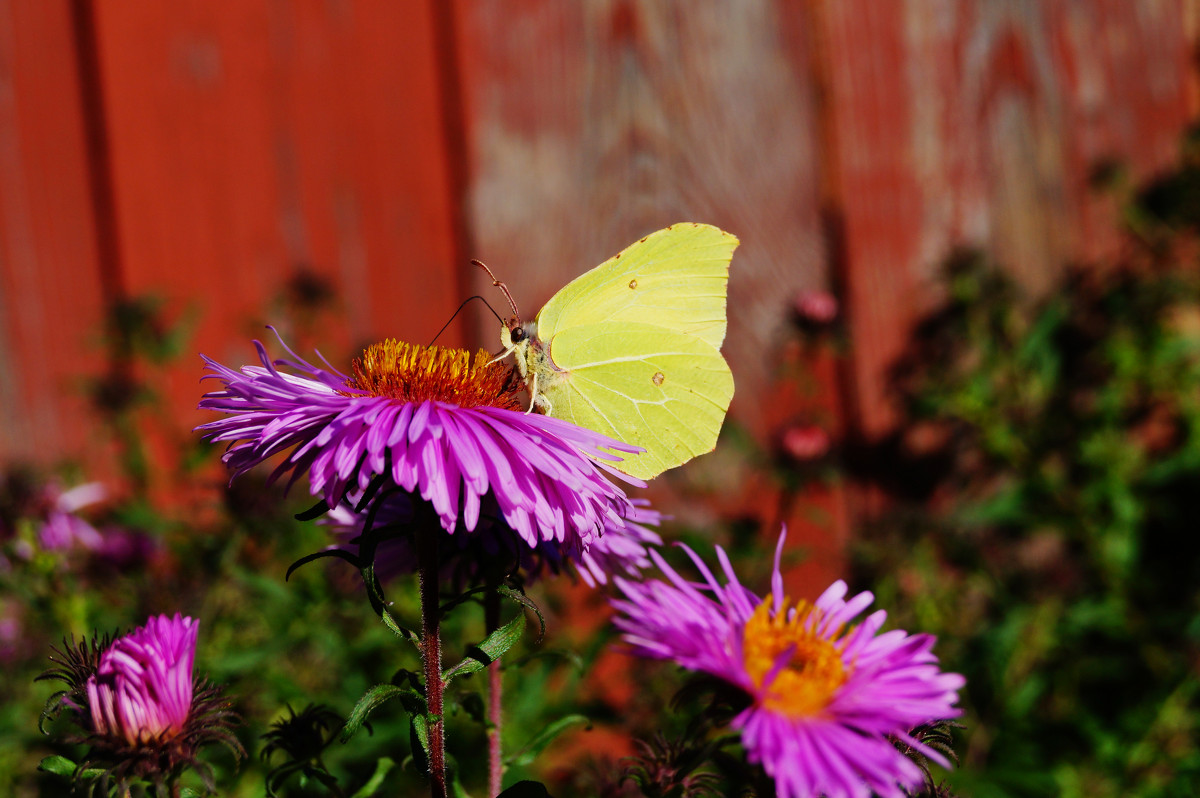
(674, 278)
(655, 387)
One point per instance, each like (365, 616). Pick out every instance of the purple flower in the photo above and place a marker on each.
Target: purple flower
(62, 527)
(432, 422)
(805, 443)
(824, 695)
(144, 715)
(141, 691)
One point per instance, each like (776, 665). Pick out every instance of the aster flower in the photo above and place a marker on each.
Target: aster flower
(142, 688)
(432, 422)
(824, 696)
(62, 527)
(144, 714)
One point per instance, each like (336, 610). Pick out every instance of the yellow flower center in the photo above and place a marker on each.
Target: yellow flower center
(411, 373)
(803, 685)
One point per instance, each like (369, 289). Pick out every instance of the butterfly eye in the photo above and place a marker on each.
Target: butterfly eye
(517, 334)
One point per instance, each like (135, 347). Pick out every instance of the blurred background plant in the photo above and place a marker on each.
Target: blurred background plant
(1044, 490)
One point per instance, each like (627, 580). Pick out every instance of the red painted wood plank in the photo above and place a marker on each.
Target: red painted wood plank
(248, 140)
(978, 124)
(51, 301)
(594, 123)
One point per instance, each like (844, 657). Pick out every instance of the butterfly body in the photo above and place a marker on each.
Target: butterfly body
(631, 348)
(534, 363)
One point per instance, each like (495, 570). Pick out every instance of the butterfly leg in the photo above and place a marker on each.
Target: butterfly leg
(533, 396)
(502, 355)
(537, 399)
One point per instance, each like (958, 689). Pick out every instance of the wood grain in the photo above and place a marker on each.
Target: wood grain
(252, 140)
(51, 292)
(594, 123)
(977, 124)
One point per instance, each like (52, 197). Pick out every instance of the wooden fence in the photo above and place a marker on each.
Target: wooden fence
(205, 151)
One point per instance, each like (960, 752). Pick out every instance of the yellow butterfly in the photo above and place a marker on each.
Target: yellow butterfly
(631, 349)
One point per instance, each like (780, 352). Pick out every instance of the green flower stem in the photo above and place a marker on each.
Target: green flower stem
(491, 613)
(431, 654)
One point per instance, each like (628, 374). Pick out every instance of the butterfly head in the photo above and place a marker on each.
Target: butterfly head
(516, 335)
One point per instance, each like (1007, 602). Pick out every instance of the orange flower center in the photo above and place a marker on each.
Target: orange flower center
(411, 373)
(813, 671)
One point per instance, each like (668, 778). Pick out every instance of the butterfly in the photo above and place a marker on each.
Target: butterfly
(631, 349)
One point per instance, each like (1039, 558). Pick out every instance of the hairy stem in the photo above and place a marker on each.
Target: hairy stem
(491, 616)
(431, 653)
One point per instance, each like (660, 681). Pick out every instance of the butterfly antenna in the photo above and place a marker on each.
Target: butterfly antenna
(460, 308)
(502, 287)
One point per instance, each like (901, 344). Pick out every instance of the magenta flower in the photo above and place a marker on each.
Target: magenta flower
(816, 307)
(144, 715)
(62, 527)
(805, 443)
(432, 422)
(824, 696)
(142, 690)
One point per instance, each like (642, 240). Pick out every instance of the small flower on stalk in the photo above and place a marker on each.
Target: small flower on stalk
(805, 443)
(142, 688)
(827, 699)
(815, 309)
(433, 422)
(143, 714)
(62, 527)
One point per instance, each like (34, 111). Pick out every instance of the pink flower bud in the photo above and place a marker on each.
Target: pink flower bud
(816, 307)
(805, 443)
(142, 690)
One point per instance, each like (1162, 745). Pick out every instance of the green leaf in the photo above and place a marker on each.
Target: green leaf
(526, 789)
(320, 555)
(399, 629)
(50, 711)
(490, 650)
(527, 603)
(58, 765)
(418, 732)
(543, 738)
(381, 769)
(377, 695)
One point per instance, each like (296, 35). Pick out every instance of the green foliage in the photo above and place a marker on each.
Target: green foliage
(489, 650)
(1047, 486)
